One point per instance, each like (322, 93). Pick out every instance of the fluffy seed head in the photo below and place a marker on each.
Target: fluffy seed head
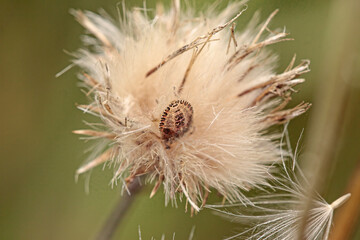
(186, 100)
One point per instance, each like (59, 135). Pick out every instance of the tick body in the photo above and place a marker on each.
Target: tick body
(176, 119)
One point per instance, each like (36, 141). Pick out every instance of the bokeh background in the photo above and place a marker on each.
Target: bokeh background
(39, 197)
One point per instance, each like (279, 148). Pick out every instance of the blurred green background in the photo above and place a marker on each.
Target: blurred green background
(39, 155)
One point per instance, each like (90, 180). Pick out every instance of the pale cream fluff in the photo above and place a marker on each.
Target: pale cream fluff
(136, 67)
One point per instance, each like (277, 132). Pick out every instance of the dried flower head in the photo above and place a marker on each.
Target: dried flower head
(185, 100)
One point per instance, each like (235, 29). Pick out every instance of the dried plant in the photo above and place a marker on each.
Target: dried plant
(187, 101)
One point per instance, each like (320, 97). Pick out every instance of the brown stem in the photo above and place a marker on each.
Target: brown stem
(119, 212)
(336, 79)
(346, 219)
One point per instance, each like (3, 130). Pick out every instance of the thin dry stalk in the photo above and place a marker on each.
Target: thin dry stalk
(104, 157)
(194, 43)
(331, 99)
(119, 212)
(232, 37)
(346, 219)
(94, 133)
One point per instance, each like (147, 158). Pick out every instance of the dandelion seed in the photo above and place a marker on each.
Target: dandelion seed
(179, 108)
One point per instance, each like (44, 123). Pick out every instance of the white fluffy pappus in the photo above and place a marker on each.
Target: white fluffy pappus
(186, 101)
(277, 215)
